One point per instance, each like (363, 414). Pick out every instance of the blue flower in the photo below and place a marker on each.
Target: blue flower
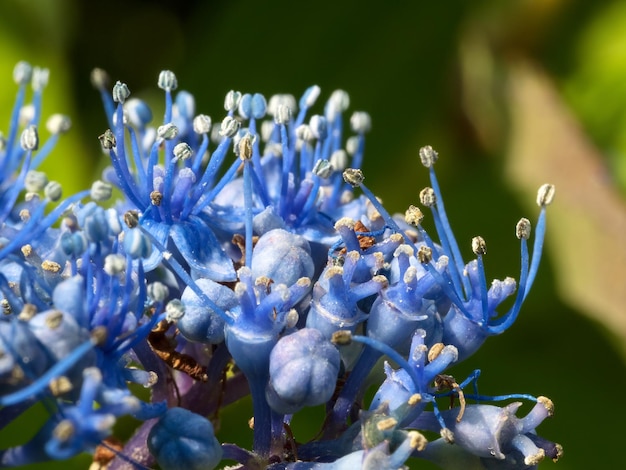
(171, 194)
(219, 275)
(263, 313)
(200, 322)
(303, 370)
(184, 440)
(282, 256)
(473, 316)
(495, 435)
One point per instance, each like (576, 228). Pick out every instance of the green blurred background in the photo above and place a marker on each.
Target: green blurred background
(511, 93)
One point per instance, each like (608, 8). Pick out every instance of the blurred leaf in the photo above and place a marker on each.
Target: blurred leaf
(596, 88)
(587, 221)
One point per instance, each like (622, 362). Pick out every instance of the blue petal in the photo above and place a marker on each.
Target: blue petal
(201, 249)
(159, 231)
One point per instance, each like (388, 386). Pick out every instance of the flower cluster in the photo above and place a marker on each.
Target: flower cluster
(246, 257)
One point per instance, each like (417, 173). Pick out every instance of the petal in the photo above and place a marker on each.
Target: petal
(160, 232)
(201, 249)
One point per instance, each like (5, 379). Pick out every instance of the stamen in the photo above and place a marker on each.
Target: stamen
(120, 93)
(60, 385)
(479, 247)
(355, 178)
(231, 101)
(51, 266)
(53, 191)
(167, 80)
(545, 195)
(30, 138)
(108, 140)
(428, 156)
(522, 229)
(444, 229)
(101, 191)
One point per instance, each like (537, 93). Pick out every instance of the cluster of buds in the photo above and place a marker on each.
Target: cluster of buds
(272, 271)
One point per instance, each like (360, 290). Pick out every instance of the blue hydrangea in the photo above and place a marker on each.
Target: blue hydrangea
(245, 258)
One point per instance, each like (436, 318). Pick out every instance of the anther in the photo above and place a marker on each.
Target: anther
(283, 114)
(341, 337)
(51, 266)
(232, 100)
(522, 229)
(64, 430)
(244, 147)
(53, 191)
(167, 80)
(182, 151)
(22, 73)
(120, 92)
(447, 435)
(60, 385)
(360, 122)
(303, 132)
(40, 77)
(54, 319)
(322, 168)
(157, 291)
(35, 181)
(30, 138)
(435, 350)
(310, 96)
(338, 102)
(386, 424)
(318, 126)
(107, 140)
(114, 264)
(278, 100)
(292, 318)
(167, 131)
(156, 197)
(352, 145)
(229, 126)
(413, 216)
(101, 191)
(428, 156)
(339, 159)
(99, 78)
(418, 440)
(174, 310)
(58, 124)
(414, 399)
(479, 247)
(24, 215)
(545, 195)
(202, 124)
(428, 197)
(28, 312)
(131, 218)
(424, 254)
(99, 335)
(353, 176)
